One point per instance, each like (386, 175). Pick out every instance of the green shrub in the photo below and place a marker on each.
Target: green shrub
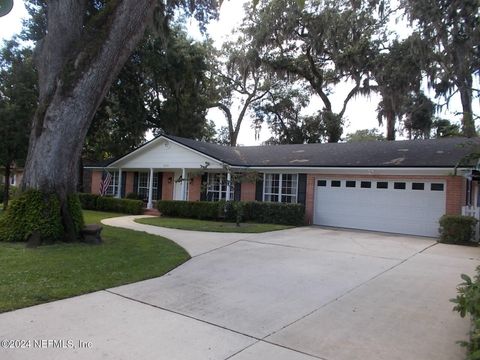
(106, 203)
(12, 192)
(75, 208)
(133, 196)
(88, 201)
(260, 212)
(204, 210)
(468, 302)
(457, 229)
(274, 213)
(32, 211)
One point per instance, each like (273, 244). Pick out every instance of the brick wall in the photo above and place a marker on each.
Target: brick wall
(456, 193)
(247, 192)
(195, 188)
(309, 199)
(167, 188)
(96, 181)
(129, 182)
(455, 189)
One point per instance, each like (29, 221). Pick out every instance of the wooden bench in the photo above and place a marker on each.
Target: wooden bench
(91, 234)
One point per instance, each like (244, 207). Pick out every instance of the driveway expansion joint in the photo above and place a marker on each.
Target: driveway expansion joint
(318, 250)
(257, 340)
(181, 314)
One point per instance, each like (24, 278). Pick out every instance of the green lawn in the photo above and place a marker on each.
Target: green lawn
(214, 226)
(47, 273)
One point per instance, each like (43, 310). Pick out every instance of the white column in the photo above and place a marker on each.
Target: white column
(119, 184)
(184, 185)
(150, 191)
(229, 181)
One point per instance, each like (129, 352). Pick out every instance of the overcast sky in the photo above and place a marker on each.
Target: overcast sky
(360, 113)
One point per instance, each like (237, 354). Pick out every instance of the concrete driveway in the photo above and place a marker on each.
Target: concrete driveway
(299, 294)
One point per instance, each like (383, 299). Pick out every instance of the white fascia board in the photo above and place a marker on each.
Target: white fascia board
(117, 163)
(355, 170)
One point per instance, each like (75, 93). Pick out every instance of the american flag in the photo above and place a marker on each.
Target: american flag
(106, 180)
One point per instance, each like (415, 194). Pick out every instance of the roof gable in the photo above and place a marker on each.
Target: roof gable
(165, 153)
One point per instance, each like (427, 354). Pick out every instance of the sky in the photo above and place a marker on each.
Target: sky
(11, 23)
(360, 112)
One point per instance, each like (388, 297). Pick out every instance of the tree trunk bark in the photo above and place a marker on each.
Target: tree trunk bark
(390, 125)
(72, 83)
(468, 124)
(6, 187)
(80, 185)
(236, 128)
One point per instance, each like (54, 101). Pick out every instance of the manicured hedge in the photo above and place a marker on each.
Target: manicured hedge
(457, 229)
(106, 203)
(274, 213)
(36, 212)
(468, 303)
(254, 211)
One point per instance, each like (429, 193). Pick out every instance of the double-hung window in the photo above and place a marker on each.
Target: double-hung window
(217, 187)
(280, 188)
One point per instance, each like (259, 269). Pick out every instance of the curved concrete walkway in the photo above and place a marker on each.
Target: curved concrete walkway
(195, 242)
(299, 294)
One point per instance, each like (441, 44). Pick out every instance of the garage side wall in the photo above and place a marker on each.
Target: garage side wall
(455, 189)
(456, 193)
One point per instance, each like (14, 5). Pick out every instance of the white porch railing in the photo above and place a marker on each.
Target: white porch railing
(475, 212)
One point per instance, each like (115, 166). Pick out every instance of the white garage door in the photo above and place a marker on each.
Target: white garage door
(398, 206)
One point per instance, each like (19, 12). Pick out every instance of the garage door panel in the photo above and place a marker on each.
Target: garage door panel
(393, 210)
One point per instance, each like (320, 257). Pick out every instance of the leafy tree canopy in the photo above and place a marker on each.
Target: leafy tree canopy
(165, 85)
(18, 101)
(323, 43)
(451, 30)
(364, 135)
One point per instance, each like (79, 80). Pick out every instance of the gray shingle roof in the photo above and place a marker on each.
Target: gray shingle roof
(446, 152)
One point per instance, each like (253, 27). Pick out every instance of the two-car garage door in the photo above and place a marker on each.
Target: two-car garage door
(397, 206)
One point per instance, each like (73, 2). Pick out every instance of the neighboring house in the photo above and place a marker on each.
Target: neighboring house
(393, 186)
(16, 176)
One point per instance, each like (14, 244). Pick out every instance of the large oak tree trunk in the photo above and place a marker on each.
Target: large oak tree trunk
(76, 69)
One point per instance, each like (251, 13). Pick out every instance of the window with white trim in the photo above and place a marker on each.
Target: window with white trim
(13, 179)
(217, 187)
(144, 185)
(280, 188)
(112, 189)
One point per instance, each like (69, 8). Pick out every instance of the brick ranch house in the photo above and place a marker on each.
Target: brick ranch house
(397, 186)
